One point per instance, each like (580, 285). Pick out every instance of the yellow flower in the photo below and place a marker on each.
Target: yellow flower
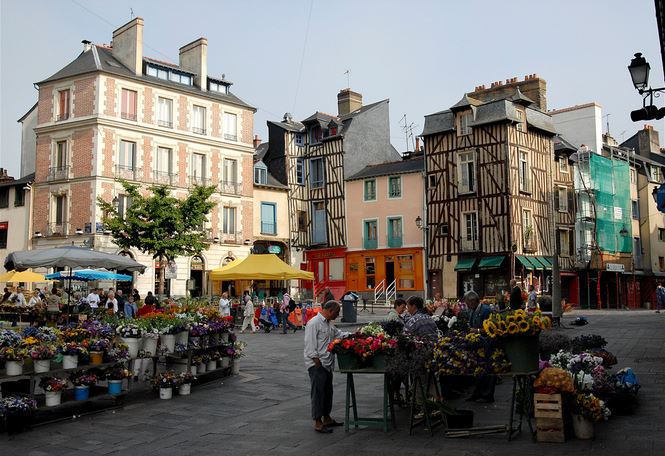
(523, 325)
(547, 323)
(520, 313)
(537, 322)
(512, 328)
(490, 328)
(501, 328)
(510, 319)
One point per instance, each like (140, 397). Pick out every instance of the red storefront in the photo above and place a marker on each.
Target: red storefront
(328, 266)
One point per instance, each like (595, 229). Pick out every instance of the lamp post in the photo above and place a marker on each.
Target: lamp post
(28, 187)
(639, 70)
(425, 230)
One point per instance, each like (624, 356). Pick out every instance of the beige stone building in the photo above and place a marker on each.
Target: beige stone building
(115, 113)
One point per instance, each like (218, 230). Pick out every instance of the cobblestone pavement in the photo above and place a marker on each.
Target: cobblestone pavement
(266, 410)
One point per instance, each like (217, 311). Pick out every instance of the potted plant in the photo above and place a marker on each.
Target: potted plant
(227, 352)
(115, 375)
(53, 388)
(239, 352)
(13, 357)
(41, 356)
(130, 335)
(197, 364)
(19, 412)
(82, 382)
(97, 348)
(149, 337)
(165, 382)
(587, 410)
(185, 380)
(212, 361)
(70, 352)
(119, 353)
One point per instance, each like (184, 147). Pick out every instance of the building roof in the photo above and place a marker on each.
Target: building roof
(321, 117)
(100, 59)
(24, 180)
(261, 151)
(465, 102)
(271, 182)
(362, 110)
(28, 113)
(408, 166)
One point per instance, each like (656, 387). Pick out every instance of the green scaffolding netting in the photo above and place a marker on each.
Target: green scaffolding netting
(611, 187)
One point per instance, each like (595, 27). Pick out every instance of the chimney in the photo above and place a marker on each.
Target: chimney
(348, 101)
(648, 141)
(86, 45)
(194, 58)
(417, 144)
(128, 45)
(532, 86)
(257, 141)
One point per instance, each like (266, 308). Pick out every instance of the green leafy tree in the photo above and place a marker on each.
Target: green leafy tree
(160, 224)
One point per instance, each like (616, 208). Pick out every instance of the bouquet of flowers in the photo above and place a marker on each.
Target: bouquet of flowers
(53, 384)
(46, 351)
(163, 323)
(9, 338)
(561, 359)
(30, 341)
(587, 342)
(609, 359)
(166, 379)
(13, 353)
(185, 378)
(74, 333)
(371, 329)
(590, 407)
(515, 323)
(82, 378)
(99, 345)
(118, 353)
(214, 355)
(117, 373)
(98, 329)
(72, 348)
(198, 329)
(552, 380)
(459, 353)
(14, 404)
(583, 362)
(412, 355)
(196, 360)
(128, 330)
(359, 345)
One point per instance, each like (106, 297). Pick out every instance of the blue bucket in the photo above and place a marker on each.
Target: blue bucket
(81, 393)
(115, 387)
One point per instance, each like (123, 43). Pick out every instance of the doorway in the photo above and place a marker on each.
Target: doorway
(390, 271)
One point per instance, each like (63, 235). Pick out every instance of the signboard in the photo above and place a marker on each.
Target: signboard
(274, 249)
(618, 213)
(615, 267)
(171, 271)
(99, 227)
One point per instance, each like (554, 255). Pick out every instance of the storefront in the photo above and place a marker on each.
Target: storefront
(196, 277)
(328, 268)
(486, 276)
(366, 269)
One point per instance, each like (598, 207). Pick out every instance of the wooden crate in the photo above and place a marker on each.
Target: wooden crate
(547, 405)
(550, 430)
(549, 418)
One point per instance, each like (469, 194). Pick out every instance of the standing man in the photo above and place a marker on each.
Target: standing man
(320, 362)
(224, 305)
(515, 296)
(93, 299)
(249, 315)
(660, 297)
(284, 310)
(485, 384)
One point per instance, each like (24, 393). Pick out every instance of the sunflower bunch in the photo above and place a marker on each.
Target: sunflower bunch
(591, 407)
(515, 323)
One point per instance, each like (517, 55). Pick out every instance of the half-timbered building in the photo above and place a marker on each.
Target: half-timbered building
(488, 165)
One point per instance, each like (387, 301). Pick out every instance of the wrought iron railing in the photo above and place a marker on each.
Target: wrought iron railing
(164, 177)
(230, 188)
(128, 172)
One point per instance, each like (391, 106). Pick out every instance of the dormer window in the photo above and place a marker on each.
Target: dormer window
(260, 173)
(315, 135)
(215, 86)
(521, 123)
(168, 74)
(300, 139)
(464, 120)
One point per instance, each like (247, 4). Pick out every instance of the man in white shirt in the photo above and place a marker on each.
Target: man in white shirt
(224, 305)
(320, 362)
(111, 302)
(17, 297)
(93, 299)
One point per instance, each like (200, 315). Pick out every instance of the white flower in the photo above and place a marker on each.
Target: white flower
(451, 322)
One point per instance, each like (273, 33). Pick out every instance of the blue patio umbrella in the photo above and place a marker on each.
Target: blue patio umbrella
(87, 275)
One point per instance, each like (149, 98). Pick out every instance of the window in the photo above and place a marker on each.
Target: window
(230, 126)
(661, 263)
(4, 197)
(165, 113)
(127, 155)
(520, 120)
(661, 234)
(656, 175)
(527, 228)
(228, 220)
(199, 120)
(302, 221)
(199, 174)
(217, 87)
(128, 104)
(525, 181)
(230, 171)
(464, 127)
(4, 228)
(406, 272)
(370, 271)
(168, 74)
(300, 171)
(300, 139)
(316, 172)
(336, 269)
(563, 165)
(164, 166)
(633, 175)
(63, 104)
(60, 161)
(637, 253)
(319, 233)
(563, 243)
(635, 209)
(260, 174)
(370, 190)
(19, 196)
(432, 181)
(563, 199)
(60, 209)
(268, 218)
(470, 231)
(124, 203)
(395, 187)
(466, 172)
(315, 135)
(394, 232)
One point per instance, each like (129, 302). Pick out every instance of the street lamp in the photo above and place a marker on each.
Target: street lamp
(639, 72)
(115, 202)
(419, 222)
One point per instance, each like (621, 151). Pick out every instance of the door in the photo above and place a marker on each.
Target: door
(390, 272)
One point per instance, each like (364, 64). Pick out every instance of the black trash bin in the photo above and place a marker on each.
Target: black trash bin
(349, 302)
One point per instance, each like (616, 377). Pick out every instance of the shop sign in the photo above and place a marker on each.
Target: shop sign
(615, 267)
(274, 249)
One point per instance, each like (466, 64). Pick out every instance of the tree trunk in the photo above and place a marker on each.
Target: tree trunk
(162, 270)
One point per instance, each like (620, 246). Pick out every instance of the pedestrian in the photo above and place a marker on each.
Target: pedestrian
(224, 305)
(130, 308)
(249, 315)
(395, 314)
(112, 303)
(515, 296)
(136, 295)
(319, 362)
(5, 295)
(35, 299)
(53, 304)
(533, 297)
(660, 297)
(327, 295)
(484, 384)
(284, 309)
(93, 299)
(149, 299)
(420, 323)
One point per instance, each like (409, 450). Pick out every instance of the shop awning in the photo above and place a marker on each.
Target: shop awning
(491, 262)
(546, 262)
(465, 264)
(525, 262)
(259, 267)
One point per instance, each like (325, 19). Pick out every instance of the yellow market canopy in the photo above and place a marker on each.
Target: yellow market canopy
(259, 267)
(23, 276)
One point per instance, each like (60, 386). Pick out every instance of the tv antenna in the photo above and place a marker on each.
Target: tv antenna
(131, 13)
(408, 128)
(607, 119)
(348, 78)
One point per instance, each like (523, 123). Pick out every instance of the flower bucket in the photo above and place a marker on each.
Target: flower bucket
(182, 337)
(583, 427)
(168, 341)
(115, 387)
(185, 389)
(41, 365)
(225, 337)
(133, 345)
(53, 398)
(522, 352)
(226, 362)
(193, 369)
(81, 393)
(96, 357)
(201, 368)
(348, 362)
(165, 393)
(236, 367)
(150, 345)
(212, 365)
(70, 361)
(14, 367)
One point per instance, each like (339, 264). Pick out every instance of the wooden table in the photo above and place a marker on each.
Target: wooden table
(351, 403)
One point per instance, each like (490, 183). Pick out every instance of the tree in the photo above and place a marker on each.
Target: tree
(160, 224)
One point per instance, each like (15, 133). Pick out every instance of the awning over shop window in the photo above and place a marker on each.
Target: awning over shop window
(491, 262)
(545, 262)
(465, 264)
(525, 262)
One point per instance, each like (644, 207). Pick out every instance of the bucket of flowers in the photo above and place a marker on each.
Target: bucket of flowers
(97, 348)
(130, 334)
(363, 351)
(115, 375)
(238, 352)
(75, 333)
(119, 353)
(185, 380)
(70, 352)
(469, 354)
(14, 357)
(9, 338)
(53, 388)
(17, 412)
(41, 356)
(82, 381)
(165, 382)
(587, 410)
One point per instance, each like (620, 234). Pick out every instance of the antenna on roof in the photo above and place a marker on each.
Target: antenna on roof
(131, 13)
(608, 123)
(408, 131)
(348, 78)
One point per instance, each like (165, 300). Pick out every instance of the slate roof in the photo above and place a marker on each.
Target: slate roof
(560, 144)
(293, 126)
(261, 151)
(465, 102)
(411, 165)
(271, 182)
(24, 180)
(100, 59)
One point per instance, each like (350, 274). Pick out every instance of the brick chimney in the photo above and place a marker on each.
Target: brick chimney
(257, 141)
(4, 177)
(532, 86)
(348, 101)
(128, 45)
(194, 58)
(648, 141)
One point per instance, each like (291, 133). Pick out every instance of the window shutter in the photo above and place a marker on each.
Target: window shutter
(571, 243)
(571, 201)
(557, 202)
(558, 243)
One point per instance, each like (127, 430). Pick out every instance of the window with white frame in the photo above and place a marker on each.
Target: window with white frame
(199, 120)
(369, 193)
(124, 203)
(633, 175)
(464, 119)
(528, 231)
(228, 220)
(466, 172)
(60, 158)
(300, 171)
(164, 165)
(230, 171)
(128, 104)
(395, 187)
(656, 175)
(59, 213)
(165, 112)
(525, 180)
(168, 74)
(563, 165)
(127, 156)
(470, 231)
(319, 222)
(316, 172)
(217, 87)
(563, 199)
(230, 126)
(260, 173)
(198, 171)
(64, 101)
(300, 139)
(521, 124)
(268, 218)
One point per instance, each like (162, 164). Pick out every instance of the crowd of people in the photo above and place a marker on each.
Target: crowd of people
(268, 317)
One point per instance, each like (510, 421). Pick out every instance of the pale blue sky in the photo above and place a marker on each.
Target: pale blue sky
(423, 55)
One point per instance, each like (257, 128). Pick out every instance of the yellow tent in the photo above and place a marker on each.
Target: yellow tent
(23, 276)
(259, 267)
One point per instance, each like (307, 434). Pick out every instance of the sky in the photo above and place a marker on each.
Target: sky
(291, 56)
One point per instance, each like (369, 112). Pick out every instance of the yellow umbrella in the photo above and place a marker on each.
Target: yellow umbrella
(23, 276)
(260, 267)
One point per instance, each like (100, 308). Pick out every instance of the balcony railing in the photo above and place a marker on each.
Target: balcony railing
(394, 241)
(195, 180)
(199, 131)
(128, 172)
(230, 137)
(57, 229)
(370, 244)
(128, 116)
(63, 116)
(230, 238)
(468, 246)
(165, 123)
(230, 188)
(530, 245)
(58, 173)
(268, 228)
(165, 178)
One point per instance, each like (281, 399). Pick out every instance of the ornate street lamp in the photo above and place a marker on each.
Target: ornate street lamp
(639, 72)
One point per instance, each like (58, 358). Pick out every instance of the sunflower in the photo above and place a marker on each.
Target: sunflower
(502, 327)
(490, 328)
(519, 319)
(523, 325)
(510, 319)
(547, 323)
(512, 328)
(520, 313)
